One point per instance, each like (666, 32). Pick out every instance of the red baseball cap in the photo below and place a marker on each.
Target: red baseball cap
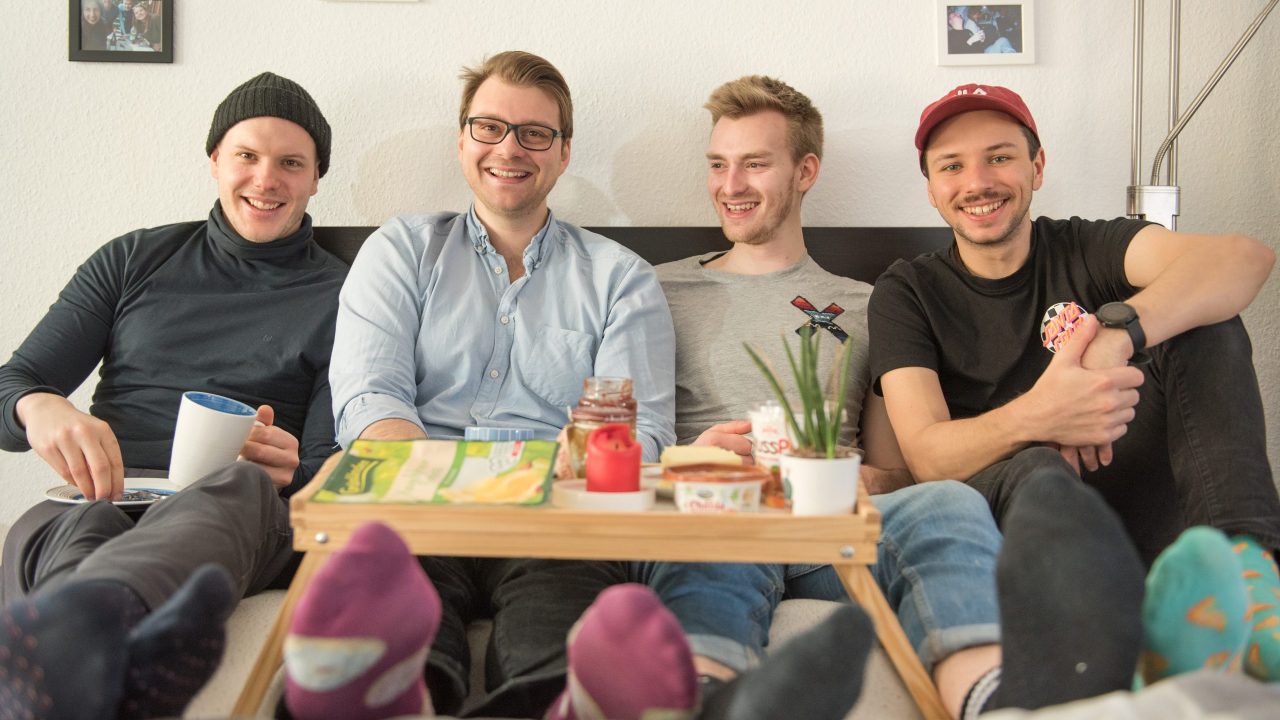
(968, 98)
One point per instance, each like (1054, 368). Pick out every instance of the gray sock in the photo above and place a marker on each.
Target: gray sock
(1070, 585)
(816, 676)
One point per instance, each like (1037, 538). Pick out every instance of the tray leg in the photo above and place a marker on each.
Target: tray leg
(863, 589)
(271, 656)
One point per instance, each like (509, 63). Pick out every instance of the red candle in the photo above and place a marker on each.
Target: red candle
(613, 460)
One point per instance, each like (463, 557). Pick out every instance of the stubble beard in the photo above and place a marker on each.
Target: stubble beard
(1010, 231)
(764, 231)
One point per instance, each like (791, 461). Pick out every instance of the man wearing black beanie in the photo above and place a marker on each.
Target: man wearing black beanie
(114, 615)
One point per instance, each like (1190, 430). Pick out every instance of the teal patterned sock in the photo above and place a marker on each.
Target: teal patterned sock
(1262, 588)
(1194, 613)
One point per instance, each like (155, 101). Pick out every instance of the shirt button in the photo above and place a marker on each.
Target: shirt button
(504, 319)
(497, 269)
(493, 374)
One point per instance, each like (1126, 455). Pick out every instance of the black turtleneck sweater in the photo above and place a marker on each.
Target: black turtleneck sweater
(191, 306)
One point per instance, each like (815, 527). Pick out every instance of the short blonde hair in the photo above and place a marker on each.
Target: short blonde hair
(524, 70)
(753, 94)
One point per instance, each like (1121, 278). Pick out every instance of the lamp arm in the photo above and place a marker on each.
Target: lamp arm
(1208, 88)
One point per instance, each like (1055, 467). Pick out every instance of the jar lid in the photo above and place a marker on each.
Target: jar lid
(496, 434)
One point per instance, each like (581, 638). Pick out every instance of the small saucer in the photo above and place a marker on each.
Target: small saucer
(137, 492)
(573, 494)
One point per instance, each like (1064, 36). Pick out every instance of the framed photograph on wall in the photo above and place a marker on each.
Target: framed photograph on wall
(121, 31)
(985, 34)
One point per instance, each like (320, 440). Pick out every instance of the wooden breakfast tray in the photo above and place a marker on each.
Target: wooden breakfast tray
(846, 541)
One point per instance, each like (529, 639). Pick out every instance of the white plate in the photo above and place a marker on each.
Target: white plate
(573, 494)
(137, 492)
(652, 475)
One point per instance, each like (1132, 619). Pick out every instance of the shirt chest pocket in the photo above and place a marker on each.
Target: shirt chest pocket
(554, 365)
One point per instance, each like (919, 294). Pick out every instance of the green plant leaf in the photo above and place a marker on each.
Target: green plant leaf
(767, 369)
(803, 437)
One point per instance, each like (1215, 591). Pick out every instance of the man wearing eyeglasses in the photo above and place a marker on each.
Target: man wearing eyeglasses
(494, 317)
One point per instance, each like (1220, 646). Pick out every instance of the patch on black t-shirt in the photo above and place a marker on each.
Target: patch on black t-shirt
(1059, 323)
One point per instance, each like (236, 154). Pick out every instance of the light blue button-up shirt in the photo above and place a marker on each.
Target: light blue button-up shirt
(432, 331)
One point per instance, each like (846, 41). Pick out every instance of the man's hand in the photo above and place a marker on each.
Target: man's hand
(563, 466)
(78, 446)
(1110, 348)
(729, 436)
(272, 448)
(1080, 408)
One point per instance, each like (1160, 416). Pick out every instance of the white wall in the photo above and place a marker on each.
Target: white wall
(92, 150)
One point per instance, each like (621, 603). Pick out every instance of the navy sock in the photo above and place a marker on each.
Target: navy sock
(816, 676)
(174, 651)
(63, 655)
(1070, 587)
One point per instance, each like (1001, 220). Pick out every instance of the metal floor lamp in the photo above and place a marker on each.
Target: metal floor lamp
(1159, 202)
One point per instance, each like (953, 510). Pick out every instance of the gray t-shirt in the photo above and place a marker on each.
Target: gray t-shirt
(715, 312)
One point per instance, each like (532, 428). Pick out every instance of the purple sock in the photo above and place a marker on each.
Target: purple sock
(627, 655)
(359, 638)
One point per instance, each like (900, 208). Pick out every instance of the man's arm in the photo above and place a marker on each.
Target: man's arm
(639, 342)
(883, 467)
(53, 361)
(1069, 405)
(393, 429)
(372, 371)
(1187, 280)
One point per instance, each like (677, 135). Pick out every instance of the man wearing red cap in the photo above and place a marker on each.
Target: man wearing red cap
(1110, 349)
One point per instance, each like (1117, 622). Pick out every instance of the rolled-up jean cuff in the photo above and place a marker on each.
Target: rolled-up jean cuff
(733, 655)
(942, 644)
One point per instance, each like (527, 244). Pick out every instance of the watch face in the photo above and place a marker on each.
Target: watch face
(1116, 314)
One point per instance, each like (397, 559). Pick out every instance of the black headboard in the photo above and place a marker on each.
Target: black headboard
(861, 253)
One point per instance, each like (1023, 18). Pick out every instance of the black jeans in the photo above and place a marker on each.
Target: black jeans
(233, 517)
(1195, 454)
(533, 603)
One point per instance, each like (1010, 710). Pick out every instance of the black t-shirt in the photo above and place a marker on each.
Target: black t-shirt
(990, 340)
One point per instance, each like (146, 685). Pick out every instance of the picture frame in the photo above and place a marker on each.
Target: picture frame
(120, 31)
(985, 34)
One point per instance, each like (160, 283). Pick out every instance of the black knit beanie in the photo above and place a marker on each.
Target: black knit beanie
(273, 96)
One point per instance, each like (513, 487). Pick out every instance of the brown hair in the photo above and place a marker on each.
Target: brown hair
(524, 70)
(753, 94)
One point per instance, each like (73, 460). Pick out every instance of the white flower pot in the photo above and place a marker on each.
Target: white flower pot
(821, 486)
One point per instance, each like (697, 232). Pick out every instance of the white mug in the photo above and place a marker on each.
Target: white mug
(209, 434)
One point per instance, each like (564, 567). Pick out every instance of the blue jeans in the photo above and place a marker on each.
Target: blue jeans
(935, 565)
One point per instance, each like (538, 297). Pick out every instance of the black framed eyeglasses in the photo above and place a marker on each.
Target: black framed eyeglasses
(492, 131)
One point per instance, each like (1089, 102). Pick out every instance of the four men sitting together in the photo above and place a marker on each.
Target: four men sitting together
(1040, 409)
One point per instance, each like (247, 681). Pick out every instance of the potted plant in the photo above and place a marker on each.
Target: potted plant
(818, 474)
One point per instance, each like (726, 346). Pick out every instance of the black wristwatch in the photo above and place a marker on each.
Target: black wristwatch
(1122, 316)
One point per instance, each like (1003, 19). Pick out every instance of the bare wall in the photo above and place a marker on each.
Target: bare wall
(92, 150)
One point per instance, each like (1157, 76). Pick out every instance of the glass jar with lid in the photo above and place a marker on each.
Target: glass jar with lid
(604, 400)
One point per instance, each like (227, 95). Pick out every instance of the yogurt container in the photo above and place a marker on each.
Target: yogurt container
(713, 488)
